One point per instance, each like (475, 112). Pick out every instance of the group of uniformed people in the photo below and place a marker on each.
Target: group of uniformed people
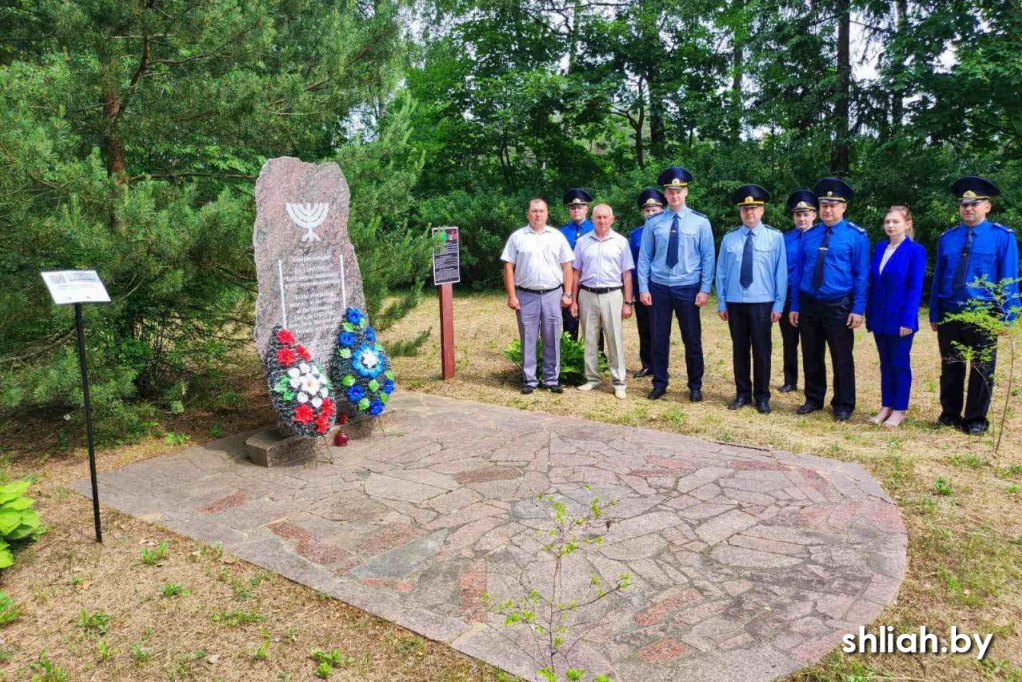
(817, 280)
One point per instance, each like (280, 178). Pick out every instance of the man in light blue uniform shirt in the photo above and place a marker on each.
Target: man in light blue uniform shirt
(576, 200)
(752, 281)
(975, 248)
(833, 283)
(802, 207)
(651, 202)
(675, 276)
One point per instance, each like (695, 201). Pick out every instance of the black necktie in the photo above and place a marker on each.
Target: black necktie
(963, 261)
(746, 278)
(672, 244)
(821, 256)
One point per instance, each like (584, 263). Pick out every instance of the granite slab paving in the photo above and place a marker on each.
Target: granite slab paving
(747, 564)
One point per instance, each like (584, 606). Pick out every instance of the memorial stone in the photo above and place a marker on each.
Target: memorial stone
(306, 267)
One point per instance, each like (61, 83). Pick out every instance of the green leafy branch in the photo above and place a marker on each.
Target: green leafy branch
(550, 618)
(999, 316)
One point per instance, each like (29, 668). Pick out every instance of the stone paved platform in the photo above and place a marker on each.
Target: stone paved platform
(747, 564)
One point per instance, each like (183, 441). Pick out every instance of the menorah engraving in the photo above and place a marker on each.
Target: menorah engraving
(309, 216)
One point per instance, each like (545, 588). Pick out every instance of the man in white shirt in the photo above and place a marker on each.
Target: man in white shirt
(603, 296)
(537, 278)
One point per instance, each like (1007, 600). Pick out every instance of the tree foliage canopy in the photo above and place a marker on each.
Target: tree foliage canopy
(131, 132)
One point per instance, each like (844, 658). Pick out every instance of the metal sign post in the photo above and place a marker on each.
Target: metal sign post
(88, 420)
(77, 287)
(446, 272)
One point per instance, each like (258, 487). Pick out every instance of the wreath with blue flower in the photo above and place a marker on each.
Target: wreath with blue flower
(360, 368)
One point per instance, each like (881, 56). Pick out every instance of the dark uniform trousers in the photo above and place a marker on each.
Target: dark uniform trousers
(750, 327)
(953, 367)
(642, 321)
(789, 339)
(679, 302)
(824, 324)
(570, 323)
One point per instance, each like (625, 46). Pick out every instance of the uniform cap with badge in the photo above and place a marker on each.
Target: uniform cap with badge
(833, 191)
(801, 200)
(674, 177)
(576, 196)
(750, 195)
(652, 197)
(972, 188)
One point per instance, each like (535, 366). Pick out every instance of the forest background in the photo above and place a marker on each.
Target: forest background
(131, 135)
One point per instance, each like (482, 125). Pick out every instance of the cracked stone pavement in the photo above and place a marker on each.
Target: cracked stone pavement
(747, 564)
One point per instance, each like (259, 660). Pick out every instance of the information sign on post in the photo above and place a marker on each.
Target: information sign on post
(75, 287)
(446, 272)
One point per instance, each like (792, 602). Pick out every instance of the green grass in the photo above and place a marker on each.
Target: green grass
(174, 590)
(237, 618)
(96, 623)
(154, 555)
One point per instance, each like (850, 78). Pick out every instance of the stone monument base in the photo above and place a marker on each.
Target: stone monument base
(271, 448)
(364, 427)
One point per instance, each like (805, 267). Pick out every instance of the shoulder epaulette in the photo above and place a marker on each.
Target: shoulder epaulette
(948, 230)
(699, 214)
(733, 229)
(774, 229)
(856, 227)
(1004, 227)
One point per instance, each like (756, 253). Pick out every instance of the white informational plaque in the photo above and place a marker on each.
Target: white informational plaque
(75, 286)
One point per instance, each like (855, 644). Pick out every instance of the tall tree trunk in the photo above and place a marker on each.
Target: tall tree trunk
(639, 124)
(573, 38)
(657, 136)
(113, 148)
(839, 160)
(737, 72)
(897, 102)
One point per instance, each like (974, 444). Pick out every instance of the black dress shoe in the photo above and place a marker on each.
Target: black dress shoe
(842, 415)
(526, 390)
(695, 396)
(975, 428)
(740, 401)
(656, 393)
(787, 388)
(807, 408)
(555, 388)
(763, 406)
(644, 372)
(949, 420)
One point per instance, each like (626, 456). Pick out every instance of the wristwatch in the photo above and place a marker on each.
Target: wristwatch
(566, 295)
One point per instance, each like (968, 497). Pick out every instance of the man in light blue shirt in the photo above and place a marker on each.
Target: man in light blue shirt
(752, 282)
(675, 276)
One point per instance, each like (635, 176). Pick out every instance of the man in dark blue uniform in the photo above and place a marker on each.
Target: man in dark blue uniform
(752, 283)
(833, 283)
(802, 207)
(576, 200)
(974, 249)
(676, 264)
(651, 202)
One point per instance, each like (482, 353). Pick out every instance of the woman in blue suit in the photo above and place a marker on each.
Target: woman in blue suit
(892, 310)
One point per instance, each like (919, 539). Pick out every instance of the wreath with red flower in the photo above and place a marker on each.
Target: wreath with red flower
(300, 390)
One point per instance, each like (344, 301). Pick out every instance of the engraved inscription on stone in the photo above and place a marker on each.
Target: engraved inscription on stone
(305, 263)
